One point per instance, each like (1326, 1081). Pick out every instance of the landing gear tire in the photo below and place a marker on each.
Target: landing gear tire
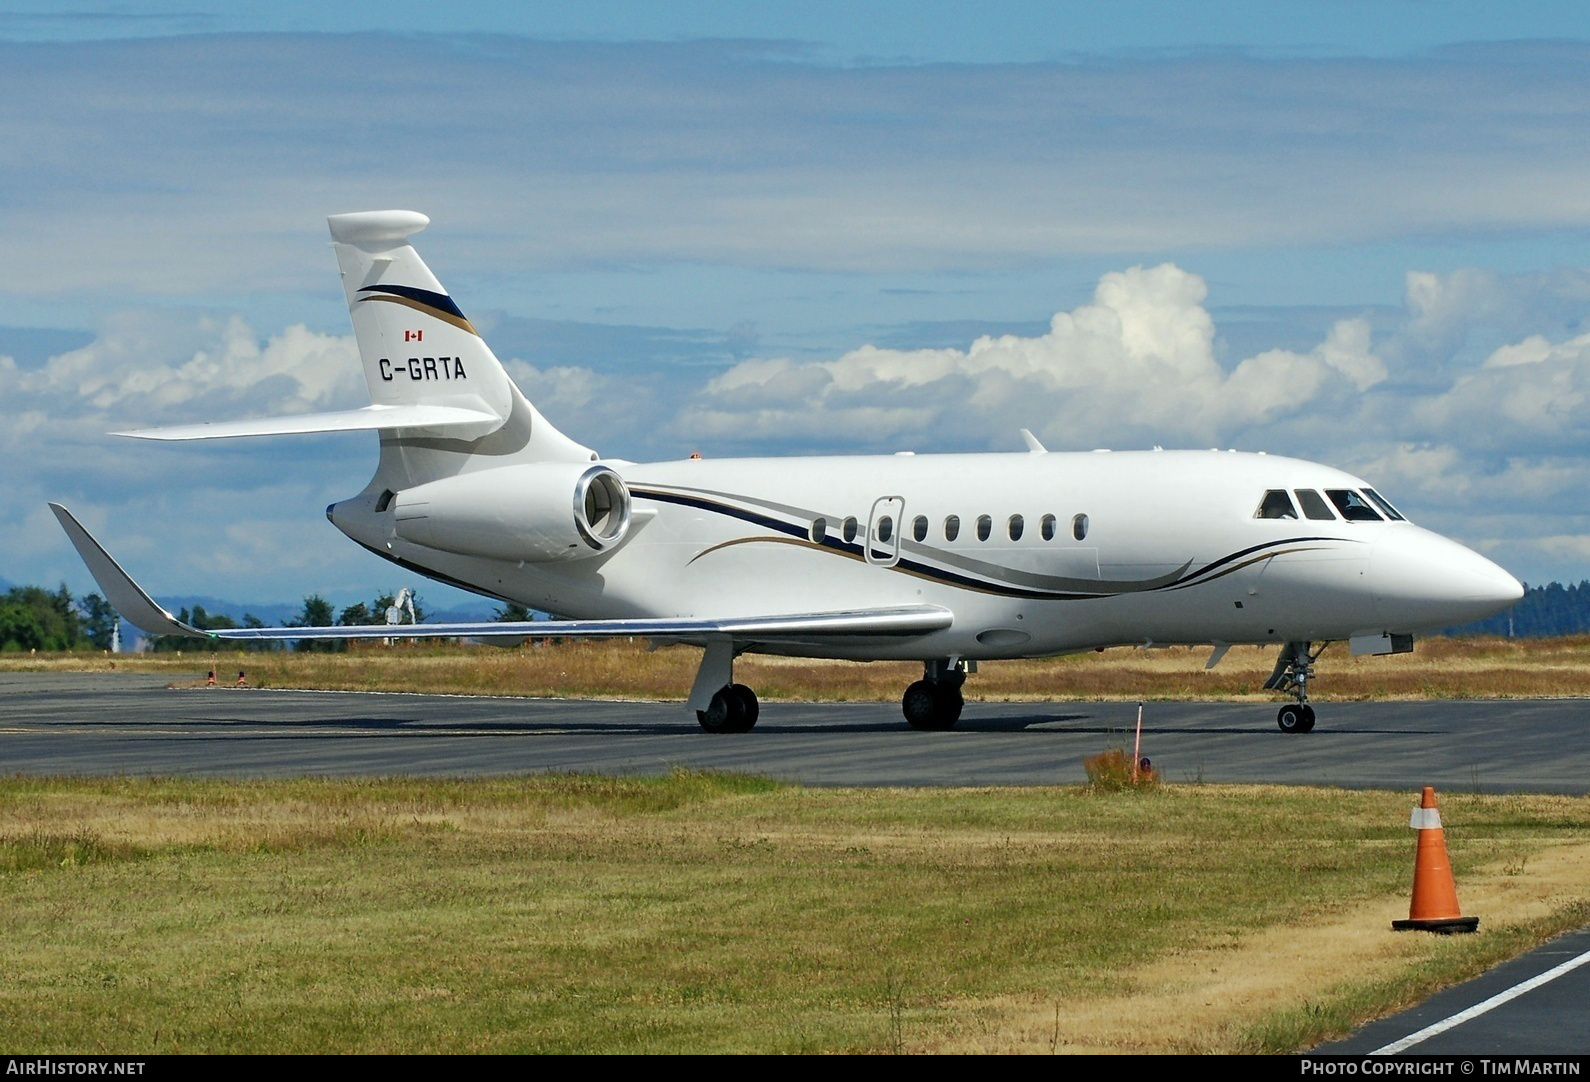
(1295, 718)
(733, 709)
(752, 709)
(931, 706)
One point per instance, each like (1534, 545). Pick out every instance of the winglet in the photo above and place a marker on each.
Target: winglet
(125, 595)
(1033, 446)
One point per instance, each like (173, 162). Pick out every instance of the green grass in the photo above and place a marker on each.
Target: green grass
(697, 912)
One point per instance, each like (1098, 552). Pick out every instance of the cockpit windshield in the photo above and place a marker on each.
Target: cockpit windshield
(1313, 505)
(1354, 508)
(1385, 505)
(1276, 504)
(1353, 505)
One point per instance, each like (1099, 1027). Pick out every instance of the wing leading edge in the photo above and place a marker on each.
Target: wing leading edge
(130, 600)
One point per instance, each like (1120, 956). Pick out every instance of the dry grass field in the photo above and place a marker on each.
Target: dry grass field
(1478, 668)
(712, 913)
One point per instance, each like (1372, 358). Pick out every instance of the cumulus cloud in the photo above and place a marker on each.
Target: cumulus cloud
(1137, 364)
(148, 367)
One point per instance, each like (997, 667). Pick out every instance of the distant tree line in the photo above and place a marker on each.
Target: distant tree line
(318, 612)
(1543, 612)
(33, 618)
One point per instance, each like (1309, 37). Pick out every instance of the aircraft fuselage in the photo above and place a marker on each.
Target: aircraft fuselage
(1035, 554)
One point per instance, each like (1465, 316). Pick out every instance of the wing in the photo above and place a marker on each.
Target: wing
(139, 609)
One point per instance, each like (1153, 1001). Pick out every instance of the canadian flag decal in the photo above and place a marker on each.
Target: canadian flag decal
(413, 336)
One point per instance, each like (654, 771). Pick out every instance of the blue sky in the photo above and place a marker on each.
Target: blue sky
(1348, 232)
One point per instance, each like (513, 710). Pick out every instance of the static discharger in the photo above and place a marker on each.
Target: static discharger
(1435, 906)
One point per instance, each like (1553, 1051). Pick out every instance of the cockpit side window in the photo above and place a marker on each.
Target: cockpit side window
(1354, 508)
(1276, 504)
(1314, 505)
(1384, 504)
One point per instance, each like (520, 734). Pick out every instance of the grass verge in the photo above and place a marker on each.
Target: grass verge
(1478, 668)
(703, 912)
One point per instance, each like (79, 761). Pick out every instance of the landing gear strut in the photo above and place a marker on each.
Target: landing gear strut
(1292, 671)
(934, 702)
(733, 710)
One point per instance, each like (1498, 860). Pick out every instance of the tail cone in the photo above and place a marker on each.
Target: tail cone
(1435, 905)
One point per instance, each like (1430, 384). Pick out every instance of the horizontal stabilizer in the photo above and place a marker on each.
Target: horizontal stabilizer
(124, 595)
(457, 421)
(139, 608)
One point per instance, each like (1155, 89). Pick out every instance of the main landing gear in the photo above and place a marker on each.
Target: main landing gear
(1292, 671)
(733, 709)
(934, 702)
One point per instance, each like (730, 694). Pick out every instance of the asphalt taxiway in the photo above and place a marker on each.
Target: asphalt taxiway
(133, 724)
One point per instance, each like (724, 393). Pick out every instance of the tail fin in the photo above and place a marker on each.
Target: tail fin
(416, 346)
(419, 350)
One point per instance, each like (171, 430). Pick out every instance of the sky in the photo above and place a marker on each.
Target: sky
(1348, 232)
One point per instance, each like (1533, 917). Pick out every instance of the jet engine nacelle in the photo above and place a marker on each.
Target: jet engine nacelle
(535, 512)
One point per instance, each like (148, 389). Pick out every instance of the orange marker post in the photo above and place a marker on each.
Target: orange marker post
(1435, 906)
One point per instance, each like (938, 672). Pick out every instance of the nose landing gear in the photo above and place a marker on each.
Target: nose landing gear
(934, 702)
(1292, 671)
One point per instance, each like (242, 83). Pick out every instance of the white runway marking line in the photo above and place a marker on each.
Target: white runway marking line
(1483, 1007)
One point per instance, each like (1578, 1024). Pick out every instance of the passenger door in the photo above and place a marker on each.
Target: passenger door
(883, 531)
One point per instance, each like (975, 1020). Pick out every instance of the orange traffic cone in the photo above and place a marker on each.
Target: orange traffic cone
(1435, 905)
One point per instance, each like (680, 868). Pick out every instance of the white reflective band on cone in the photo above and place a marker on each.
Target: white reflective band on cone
(1426, 819)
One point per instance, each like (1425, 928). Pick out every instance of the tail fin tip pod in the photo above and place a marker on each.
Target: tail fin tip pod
(376, 230)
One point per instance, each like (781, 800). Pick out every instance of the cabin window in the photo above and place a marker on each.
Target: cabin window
(985, 527)
(1276, 504)
(1046, 527)
(1354, 508)
(849, 529)
(1014, 527)
(885, 529)
(919, 527)
(819, 532)
(1385, 505)
(952, 527)
(1079, 527)
(1314, 505)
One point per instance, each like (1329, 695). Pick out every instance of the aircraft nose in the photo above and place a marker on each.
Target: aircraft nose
(1425, 582)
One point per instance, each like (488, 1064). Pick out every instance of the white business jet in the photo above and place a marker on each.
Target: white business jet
(944, 559)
